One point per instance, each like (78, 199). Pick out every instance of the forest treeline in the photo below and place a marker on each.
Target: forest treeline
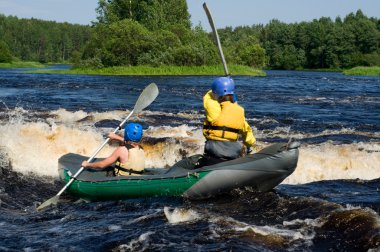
(39, 40)
(158, 32)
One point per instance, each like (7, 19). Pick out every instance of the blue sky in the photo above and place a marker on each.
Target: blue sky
(225, 12)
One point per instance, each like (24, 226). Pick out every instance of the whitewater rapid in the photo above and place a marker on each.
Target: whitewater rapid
(32, 142)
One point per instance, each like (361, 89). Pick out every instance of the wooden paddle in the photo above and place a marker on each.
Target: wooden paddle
(147, 96)
(216, 37)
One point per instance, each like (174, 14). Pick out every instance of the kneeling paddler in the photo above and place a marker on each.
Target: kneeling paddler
(225, 122)
(129, 158)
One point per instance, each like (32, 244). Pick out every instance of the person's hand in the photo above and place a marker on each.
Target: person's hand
(85, 164)
(112, 136)
(249, 150)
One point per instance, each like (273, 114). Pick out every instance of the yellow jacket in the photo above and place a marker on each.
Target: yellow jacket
(225, 114)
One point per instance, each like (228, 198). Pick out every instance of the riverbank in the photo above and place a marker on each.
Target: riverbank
(162, 70)
(175, 70)
(22, 64)
(366, 71)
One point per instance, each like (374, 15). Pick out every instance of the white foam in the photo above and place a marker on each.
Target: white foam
(179, 140)
(328, 162)
(131, 246)
(36, 146)
(307, 222)
(180, 215)
(168, 131)
(114, 227)
(271, 230)
(66, 116)
(227, 223)
(157, 213)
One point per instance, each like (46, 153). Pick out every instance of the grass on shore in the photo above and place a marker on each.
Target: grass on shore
(21, 64)
(367, 71)
(175, 70)
(162, 70)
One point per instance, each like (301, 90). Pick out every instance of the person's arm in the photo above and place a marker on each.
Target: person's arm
(248, 137)
(113, 136)
(211, 106)
(105, 162)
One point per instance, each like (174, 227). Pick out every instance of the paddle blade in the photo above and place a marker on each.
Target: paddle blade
(147, 96)
(216, 37)
(52, 201)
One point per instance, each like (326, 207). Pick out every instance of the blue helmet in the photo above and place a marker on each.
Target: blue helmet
(133, 132)
(223, 86)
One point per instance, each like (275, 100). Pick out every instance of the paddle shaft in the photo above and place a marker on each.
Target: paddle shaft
(216, 36)
(93, 155)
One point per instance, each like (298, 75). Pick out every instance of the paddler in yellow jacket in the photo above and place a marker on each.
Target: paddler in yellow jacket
(128, 159)
(225, 121)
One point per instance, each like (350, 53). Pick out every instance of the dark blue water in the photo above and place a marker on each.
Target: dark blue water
(308, 102)
(332, 203)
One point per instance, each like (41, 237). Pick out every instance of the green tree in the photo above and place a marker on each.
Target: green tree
(153, 14)
(288, 58)
(46, 41)
(247, 51)
(196, 49)
(161, 51)
(276, 36)
(365, 31)
(5, 54)
(124, 41)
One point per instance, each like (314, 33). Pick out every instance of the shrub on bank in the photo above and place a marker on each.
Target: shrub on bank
(368, 71)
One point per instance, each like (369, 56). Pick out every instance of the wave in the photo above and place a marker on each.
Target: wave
(32, 142)
(338, 100)
(328, 161)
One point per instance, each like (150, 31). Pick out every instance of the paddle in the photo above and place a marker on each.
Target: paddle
(147, 96)
(216, 37)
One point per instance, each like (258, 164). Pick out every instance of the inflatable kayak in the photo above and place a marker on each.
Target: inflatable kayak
(262, 171)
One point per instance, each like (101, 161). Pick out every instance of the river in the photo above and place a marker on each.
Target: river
(330, 203)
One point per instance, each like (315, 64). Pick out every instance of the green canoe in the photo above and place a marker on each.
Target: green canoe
(262, 171)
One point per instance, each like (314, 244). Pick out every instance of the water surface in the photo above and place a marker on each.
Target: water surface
(330, 203)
